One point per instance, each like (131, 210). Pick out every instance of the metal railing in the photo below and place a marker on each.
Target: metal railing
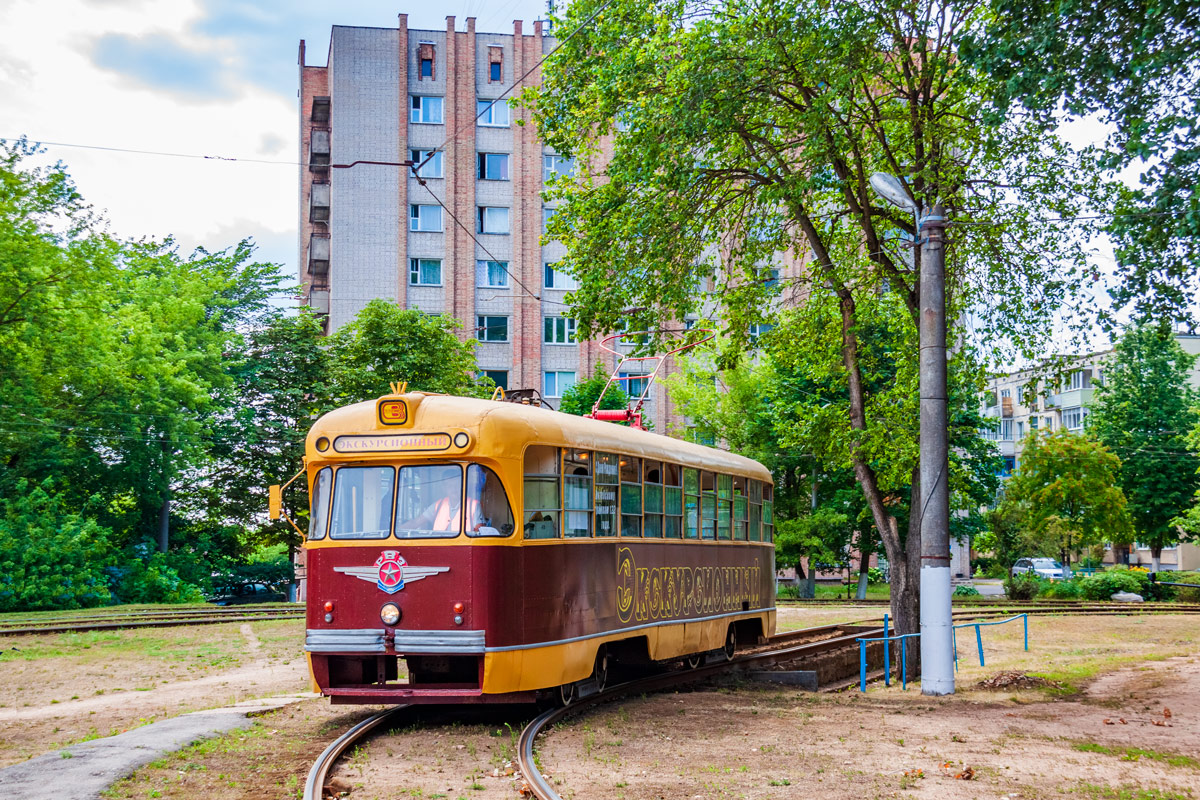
(887, 639)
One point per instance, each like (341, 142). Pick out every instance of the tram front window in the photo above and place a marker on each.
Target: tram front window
(429, 502)
(488, 512)
(362, 503)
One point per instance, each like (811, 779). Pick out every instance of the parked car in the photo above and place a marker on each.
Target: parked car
(1042, 567)
(240, 593)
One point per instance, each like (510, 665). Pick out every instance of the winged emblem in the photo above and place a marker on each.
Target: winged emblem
(390, 572)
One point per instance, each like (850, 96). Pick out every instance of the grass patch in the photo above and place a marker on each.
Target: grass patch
(1093, 792)
(1138, 753)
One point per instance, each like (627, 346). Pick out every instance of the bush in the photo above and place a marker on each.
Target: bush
(965, 591)
(1103, 585)
(787, 591)
(1186, 595)
(1060, 590)
(50, 558)
(983, 565)
(1022, 587)
(154, 580)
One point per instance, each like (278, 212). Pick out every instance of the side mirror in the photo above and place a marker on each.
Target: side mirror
(275, 502)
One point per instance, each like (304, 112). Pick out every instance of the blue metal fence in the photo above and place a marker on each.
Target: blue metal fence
(887, 639)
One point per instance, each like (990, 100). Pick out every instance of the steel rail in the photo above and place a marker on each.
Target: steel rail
(153, 623)
(99, 615)
(319, 774)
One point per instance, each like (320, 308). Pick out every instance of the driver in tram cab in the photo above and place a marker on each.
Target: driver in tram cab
(442, 515)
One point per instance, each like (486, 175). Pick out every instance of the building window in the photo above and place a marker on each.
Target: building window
(1020, 431)
(1049, 423)
(492, 329)
(495, 71)
(492, 113)
(498, 376)
(547, 213)
(425, 272)
(555, 383)
(1076, 380)
(495, 63)
(429, 169)
(1021, 395)
(493, 167)
(425, 109)
(558, 330)
(554, 279)
(1006, 392)
(1073, 418)
(634, 383)
(424, 218)
(556, 165)
(1006, 430)
(492, 219)
(491, 274)
(759, 329)
(1033, 424)
(425, 61)
(770, 276)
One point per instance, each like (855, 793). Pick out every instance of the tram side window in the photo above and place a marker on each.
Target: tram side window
(708, 506)
(724, 505)
(672, 501)
(429, 502)
(739, 508)
(652, 499)
(631, 496)
(362, 503)
(608, 483)
(768, 513)
(754, 511)
(318, 519)
(577, 493)
(488, 511)
(691, 504)
(542, 497)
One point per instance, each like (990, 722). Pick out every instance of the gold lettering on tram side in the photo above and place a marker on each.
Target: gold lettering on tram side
(647, 594)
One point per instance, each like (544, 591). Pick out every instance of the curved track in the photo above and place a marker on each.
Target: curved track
(318, 776)
(150, 619)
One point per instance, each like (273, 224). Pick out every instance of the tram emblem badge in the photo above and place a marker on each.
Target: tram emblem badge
(390, 572)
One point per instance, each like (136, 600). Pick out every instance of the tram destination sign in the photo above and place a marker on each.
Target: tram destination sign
(392, 443)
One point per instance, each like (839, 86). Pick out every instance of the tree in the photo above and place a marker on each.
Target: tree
(1065, 489)
(1134, 64)
(387, 344)
(1142, 413)
(748, 130)
(580, 398)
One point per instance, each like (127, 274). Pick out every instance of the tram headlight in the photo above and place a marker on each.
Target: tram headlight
(390, 614)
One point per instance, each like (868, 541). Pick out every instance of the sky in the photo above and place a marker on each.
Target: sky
(198, 77)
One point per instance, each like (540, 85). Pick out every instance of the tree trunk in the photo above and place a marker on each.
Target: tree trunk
(164, 523)
(1155, 557)
(864, 565)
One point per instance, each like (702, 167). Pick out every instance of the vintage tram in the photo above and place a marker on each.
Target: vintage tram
(508, 553)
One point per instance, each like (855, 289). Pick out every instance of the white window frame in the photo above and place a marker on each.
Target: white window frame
(1078, 414)
(414, 271)
(547, 213)
(433, 168)
(626, 384)
(482, 219)
(562, 330)
(416, 215)
(484, 274)
(482, 161)
(557, 279)
(555, 391)
(491, 117)
(483, 325)
(1006, 430)
(550, 166)
(417, 111)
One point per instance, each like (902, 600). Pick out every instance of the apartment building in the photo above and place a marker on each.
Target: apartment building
(1022, 403)
(371, 229)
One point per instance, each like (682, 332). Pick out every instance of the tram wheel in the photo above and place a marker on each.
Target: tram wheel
(693, 661)
(600, 670)
(567, 694)
(730, 643)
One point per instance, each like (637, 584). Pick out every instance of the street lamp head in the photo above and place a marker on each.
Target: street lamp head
(892, 189)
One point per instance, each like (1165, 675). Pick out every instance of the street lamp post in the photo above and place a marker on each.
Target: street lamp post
(937, 632)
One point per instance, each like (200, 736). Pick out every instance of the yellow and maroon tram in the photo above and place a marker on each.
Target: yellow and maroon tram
(508, 552)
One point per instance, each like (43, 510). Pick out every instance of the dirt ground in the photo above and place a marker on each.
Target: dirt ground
(65, 688)
(1065, 739)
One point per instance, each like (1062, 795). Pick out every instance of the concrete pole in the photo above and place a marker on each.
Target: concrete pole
(937, 650)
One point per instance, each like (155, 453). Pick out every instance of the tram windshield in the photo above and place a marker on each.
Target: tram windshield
(429, 502)
(362, 503)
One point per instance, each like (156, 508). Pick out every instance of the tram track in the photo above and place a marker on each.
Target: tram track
(157, 619)
(781, 648)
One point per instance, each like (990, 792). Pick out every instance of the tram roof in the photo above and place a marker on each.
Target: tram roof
(503, 430)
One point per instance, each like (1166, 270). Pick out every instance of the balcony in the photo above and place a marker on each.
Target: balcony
(318, 301)
(1072, 398)
(1006, 407)
(320, 109)
(318, 256)
(318, 203)
(318, 150)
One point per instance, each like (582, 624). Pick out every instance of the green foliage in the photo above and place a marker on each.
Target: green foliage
(1024, 586)
(1104, 585)
(580, 398)
(966, 591)
(1060, 590)
(1183, 593)
(1065, 492)
(1142, 413)
(51, 557)
(386, 343)
(1136, 66)
(154, 580)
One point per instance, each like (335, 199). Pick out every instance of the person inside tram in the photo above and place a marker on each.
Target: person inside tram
(442, 515)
